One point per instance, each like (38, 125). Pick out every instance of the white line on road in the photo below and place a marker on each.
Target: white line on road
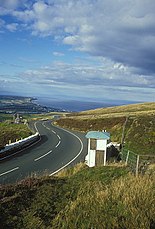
(46, 127)
(58, 136)
(58, 144)
(9, 171)
(43, 155)
(74, 157)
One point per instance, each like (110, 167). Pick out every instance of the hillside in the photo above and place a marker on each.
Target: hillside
(137, 119)
(80, 197)
(10, 132)
(138, 109)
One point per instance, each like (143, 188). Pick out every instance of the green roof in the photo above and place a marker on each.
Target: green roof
(98, 135)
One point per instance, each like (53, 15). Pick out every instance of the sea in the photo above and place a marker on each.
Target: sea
(75, 105)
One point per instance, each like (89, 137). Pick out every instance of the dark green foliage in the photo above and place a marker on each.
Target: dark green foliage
(4, 117)
(92, 124)
(140, 134)
(32, 200)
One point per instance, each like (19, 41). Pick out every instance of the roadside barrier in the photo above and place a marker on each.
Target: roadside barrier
(11, 149)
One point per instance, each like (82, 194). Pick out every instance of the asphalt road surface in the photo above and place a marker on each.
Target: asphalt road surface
(57, 149)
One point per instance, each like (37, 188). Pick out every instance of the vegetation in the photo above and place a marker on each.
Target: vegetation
(43, 116)
(80, 197)
(20, 104)
(138, 109)
(12, 132)
(4, 117)
(138, 120)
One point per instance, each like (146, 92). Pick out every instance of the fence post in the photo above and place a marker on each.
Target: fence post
(137, 164)
(127, 157)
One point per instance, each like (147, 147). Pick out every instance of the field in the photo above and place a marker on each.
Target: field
(80, 197)
(132, 124)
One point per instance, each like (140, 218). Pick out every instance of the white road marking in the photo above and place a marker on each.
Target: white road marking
(52, 131)
(43, 124)
(44, 155)
(58, 144)
(74, 157)
(58, 136)
(9, 171)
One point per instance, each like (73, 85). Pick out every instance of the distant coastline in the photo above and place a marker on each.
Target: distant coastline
(20, 104)
(47, 104)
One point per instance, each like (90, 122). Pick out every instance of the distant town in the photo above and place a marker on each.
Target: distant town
(19, 104)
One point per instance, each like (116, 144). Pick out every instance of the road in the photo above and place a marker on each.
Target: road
(57, 149)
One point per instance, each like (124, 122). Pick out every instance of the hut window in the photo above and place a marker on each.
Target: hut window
(93, 144)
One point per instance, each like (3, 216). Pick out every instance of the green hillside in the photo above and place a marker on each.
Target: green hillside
(138, 121)
(12, 132)
(80, 197)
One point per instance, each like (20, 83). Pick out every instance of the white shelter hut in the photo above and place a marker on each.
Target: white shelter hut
(97, 148)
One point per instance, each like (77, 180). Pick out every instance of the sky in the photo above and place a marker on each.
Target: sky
(85, 50)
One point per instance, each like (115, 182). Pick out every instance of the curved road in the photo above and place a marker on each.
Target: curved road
(56, 149)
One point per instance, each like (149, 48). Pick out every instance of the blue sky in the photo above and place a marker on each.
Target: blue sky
(89, 50)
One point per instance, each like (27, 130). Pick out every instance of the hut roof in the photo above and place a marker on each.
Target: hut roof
(98, 135)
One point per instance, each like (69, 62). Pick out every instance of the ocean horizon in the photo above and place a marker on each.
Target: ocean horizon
(77, 106)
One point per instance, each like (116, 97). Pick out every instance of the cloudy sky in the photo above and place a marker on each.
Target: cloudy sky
(90, 50)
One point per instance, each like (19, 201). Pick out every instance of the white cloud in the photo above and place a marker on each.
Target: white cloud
(121, 32)
(12, 27)
(84, 74)
(59, 54)
(9, 4)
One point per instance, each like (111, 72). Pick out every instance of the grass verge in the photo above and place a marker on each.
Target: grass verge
(80, 197)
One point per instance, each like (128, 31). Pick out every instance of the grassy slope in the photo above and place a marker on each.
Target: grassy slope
(12, 132)
(125, 109)
(4, 117)
(139, 130)
(80, 197)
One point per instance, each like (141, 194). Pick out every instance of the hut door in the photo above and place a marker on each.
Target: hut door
(99, 160)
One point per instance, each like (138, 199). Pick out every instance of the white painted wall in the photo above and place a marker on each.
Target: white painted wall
(101, 144)
(91, 158)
